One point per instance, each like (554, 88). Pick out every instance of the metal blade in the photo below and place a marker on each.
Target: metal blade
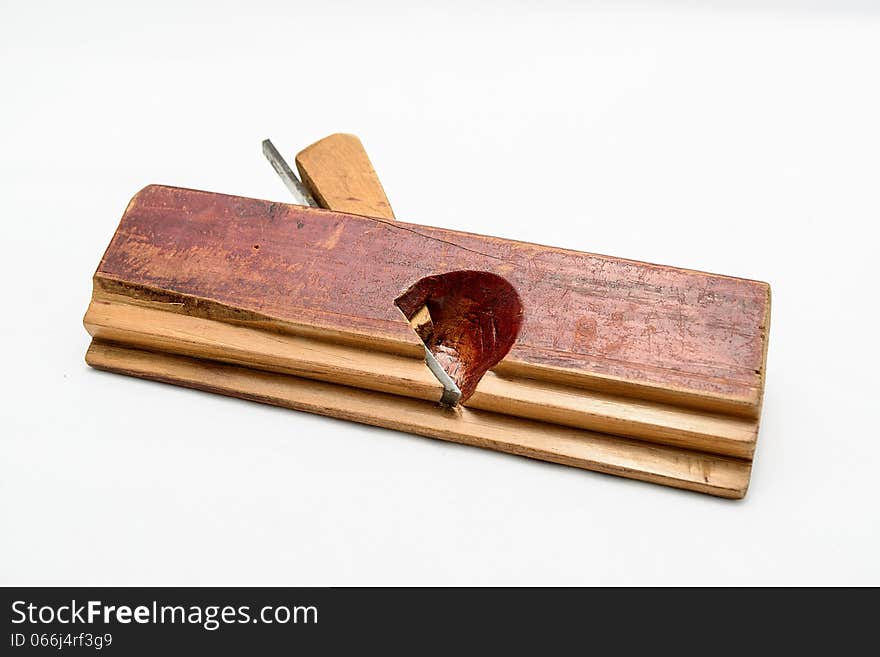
(301, 195)
(451, 392)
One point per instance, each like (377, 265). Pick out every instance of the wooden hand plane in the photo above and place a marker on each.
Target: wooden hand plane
(623, 367)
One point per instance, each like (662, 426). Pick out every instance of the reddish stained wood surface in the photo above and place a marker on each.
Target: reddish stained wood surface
(475, 318)
(637, 325)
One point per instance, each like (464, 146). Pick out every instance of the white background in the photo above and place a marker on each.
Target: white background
(738, 140)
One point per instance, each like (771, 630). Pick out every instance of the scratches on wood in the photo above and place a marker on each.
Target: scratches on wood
(602, 323)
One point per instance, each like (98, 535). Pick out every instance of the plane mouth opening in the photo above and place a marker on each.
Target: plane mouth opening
(468, 321)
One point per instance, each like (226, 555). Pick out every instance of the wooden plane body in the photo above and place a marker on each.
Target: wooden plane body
(646, 371)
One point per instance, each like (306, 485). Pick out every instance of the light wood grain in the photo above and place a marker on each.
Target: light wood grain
(623, 416)
(340, 176)
(112, 318)
(670, 466)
